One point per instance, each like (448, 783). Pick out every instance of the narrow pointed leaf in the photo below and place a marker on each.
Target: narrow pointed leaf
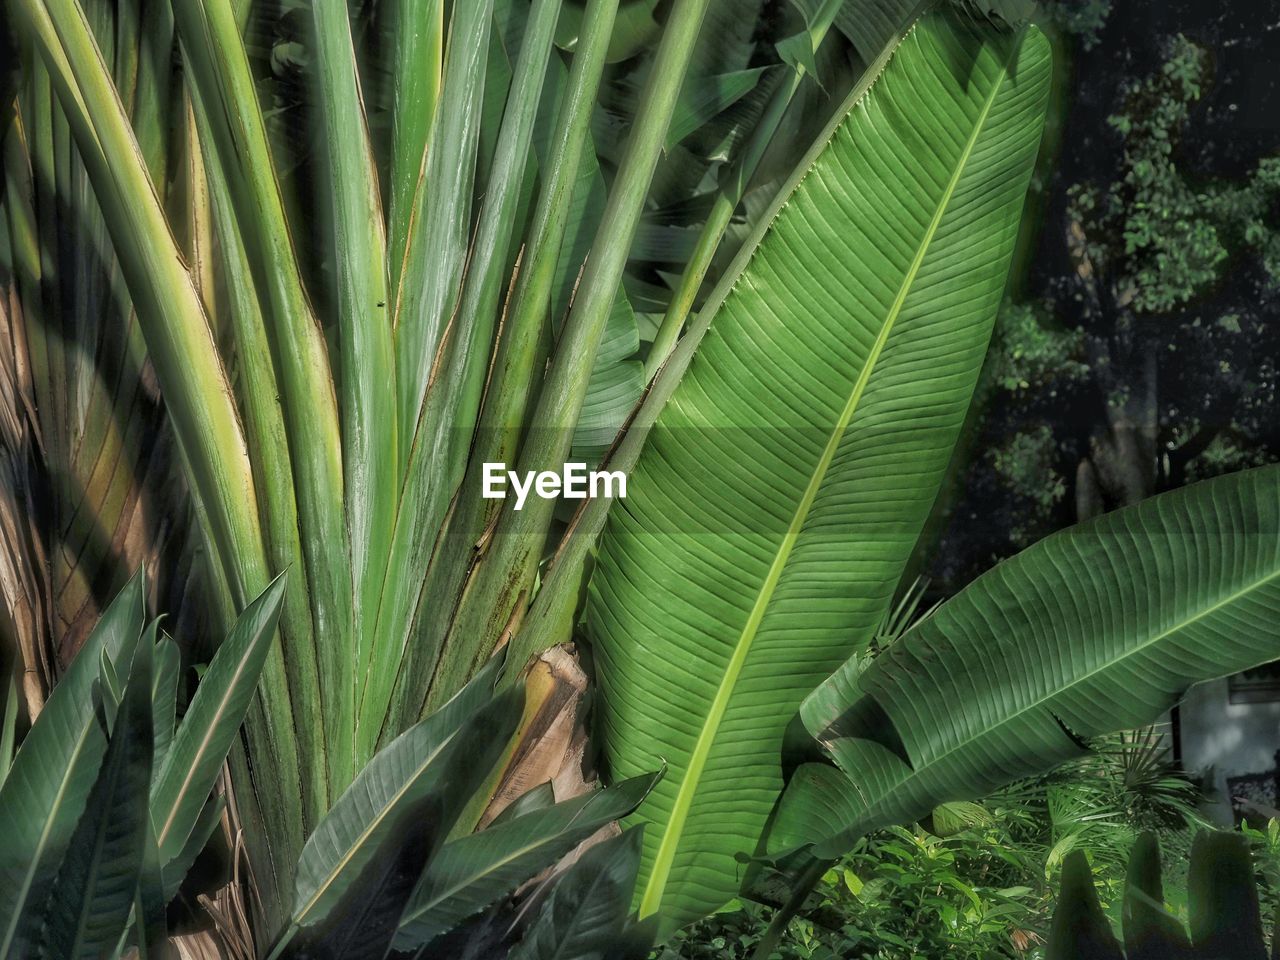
(587, 909)
(55, 768)
(367, 396)
(94, 891)
(210, 725)
(473, 871)
(363, 924)
(164, 705)
(440, 221)
(175, 870)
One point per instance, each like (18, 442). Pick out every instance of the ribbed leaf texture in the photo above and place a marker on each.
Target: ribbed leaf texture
(474, 871)
(1097, 628)
(786, 481)
(585, 915)
(89, 905)
(54, 771)
(445, 756)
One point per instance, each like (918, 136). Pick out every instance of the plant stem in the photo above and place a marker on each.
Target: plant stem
(805, 883)
(371, 478)
(445, 430)
(520, 350)
(218, 69)
(194, 384)
(504, 579)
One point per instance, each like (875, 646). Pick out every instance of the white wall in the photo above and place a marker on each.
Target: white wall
(1231, 738)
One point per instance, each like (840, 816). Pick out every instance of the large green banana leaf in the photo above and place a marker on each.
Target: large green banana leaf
(787, 479)
(1098, 628)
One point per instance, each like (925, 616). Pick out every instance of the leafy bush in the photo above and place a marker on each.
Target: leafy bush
(981, 885)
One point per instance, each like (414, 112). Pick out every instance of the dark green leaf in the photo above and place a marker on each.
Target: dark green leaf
(94, 891)
(1222, 899)
(449, 754)
(473, 871)
(1049, 649)
(363, 924)
(1150, 933)
(1080, 930)
(586, 913)
(209, 727)
(54, 770)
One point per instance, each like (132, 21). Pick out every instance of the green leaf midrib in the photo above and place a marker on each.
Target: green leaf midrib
(471, 877)
(203, 744)
(1106, 665)
(362, 837)
(28, 880)
(674, 827)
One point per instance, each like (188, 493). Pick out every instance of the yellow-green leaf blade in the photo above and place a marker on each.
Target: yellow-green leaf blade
(787, 478)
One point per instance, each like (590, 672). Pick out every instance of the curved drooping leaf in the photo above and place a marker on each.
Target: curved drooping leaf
(446, 755)
(584, 916)
(55, 768)
(207, 731)
(473, 871)
(786, 480)
(1097, 628)
(89, 903)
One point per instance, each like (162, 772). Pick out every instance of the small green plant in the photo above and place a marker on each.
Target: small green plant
(901, 892)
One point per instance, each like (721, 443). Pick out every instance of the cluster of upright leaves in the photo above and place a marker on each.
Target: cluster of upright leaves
(90, 865)
(380, 877)
(334, 391)
(107, 801)
(1225, 922)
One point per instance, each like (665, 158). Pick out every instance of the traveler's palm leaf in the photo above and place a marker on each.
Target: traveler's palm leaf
(785, 483)
(1098, 628)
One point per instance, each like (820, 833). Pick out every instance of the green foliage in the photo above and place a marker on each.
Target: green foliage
(1224, 916)
(899, 893)
(1082, 18)
(1018, 664)
(746, 606)
(1026, 463)
(1172, 247)
(1165, 235)
(584, 917)
(86, 847)
(1030, 355)
(376, 870)
(982, 885)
